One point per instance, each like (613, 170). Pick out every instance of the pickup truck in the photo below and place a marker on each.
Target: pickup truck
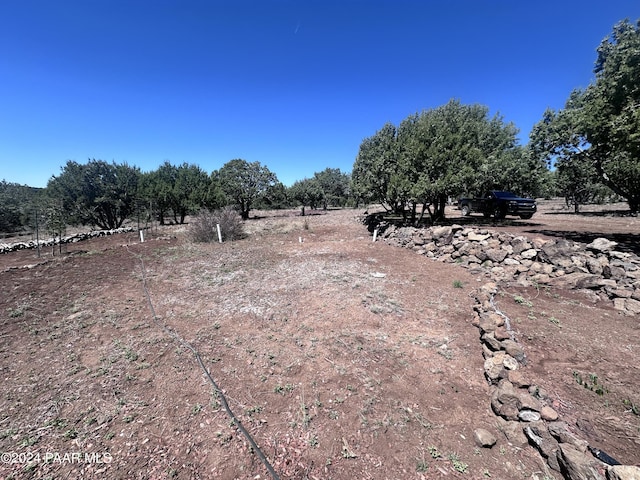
(499, 204)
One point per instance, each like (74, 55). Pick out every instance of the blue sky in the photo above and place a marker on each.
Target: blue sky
(295, 85)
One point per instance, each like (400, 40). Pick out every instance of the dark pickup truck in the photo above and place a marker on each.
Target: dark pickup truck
(499, 204)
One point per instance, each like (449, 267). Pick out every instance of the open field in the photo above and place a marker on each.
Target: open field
(342, 357)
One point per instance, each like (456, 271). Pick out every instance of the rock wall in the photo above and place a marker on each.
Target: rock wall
(524, 411)
(598, 269)
(78, 237)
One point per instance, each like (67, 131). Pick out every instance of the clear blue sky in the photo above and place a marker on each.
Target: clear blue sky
(293, 84)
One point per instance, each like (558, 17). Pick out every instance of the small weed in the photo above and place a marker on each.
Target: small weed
(422, 465)
(128, 418)
(554, 320)
(458, 465)
(592, 383)
(446, 353)
(288, 388)
(457, 284)
(252, 410)
(486, 473)
(633, 408)
(29, 441)
(522, 301)
(130, 355)
(109, 436)
(70, 434)
(433, 451)
(197, 408)
(57, 423)
(8, 433)
(313, 441)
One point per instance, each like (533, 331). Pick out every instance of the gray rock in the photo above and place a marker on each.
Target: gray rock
(510, 363)
(577, 280)
(594, 266)
(540, 438)
(484, 438)
(623, 472)
(490, 341)
(529, 402)
(494, 368)
(505, 400)
(512, 430)
(519, 244)
(632, 305)
(477, 237)
(560, 431)
(529, 254)
(576, 465)
(513, 349)
(601, 245)
(528, 416)
(558, 250)
(442, 235)
(496, 254)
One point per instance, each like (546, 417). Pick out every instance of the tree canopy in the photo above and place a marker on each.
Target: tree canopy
(244, 182)
(440, 153)
(598, 131)
(97, 193)
(179, 190)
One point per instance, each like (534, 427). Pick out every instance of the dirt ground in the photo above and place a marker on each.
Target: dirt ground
(342, 357)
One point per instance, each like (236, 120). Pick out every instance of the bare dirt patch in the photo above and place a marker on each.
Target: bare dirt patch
(344, 358)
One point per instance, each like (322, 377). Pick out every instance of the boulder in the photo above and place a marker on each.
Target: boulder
(576, 465)
(484, 438)
(601, 245)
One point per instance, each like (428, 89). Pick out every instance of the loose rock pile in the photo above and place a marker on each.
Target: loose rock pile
(12, 247)
(522, 409)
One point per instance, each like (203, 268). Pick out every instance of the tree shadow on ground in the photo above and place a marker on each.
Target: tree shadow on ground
(374, 220)
(603, 213)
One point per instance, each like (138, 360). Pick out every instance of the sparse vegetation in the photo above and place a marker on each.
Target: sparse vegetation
(204, 226)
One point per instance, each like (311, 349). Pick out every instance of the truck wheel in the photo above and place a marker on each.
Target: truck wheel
(527, 216)
(498, 213)
(466, 211)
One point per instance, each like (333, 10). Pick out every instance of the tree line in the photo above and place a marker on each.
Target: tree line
(105, 195)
